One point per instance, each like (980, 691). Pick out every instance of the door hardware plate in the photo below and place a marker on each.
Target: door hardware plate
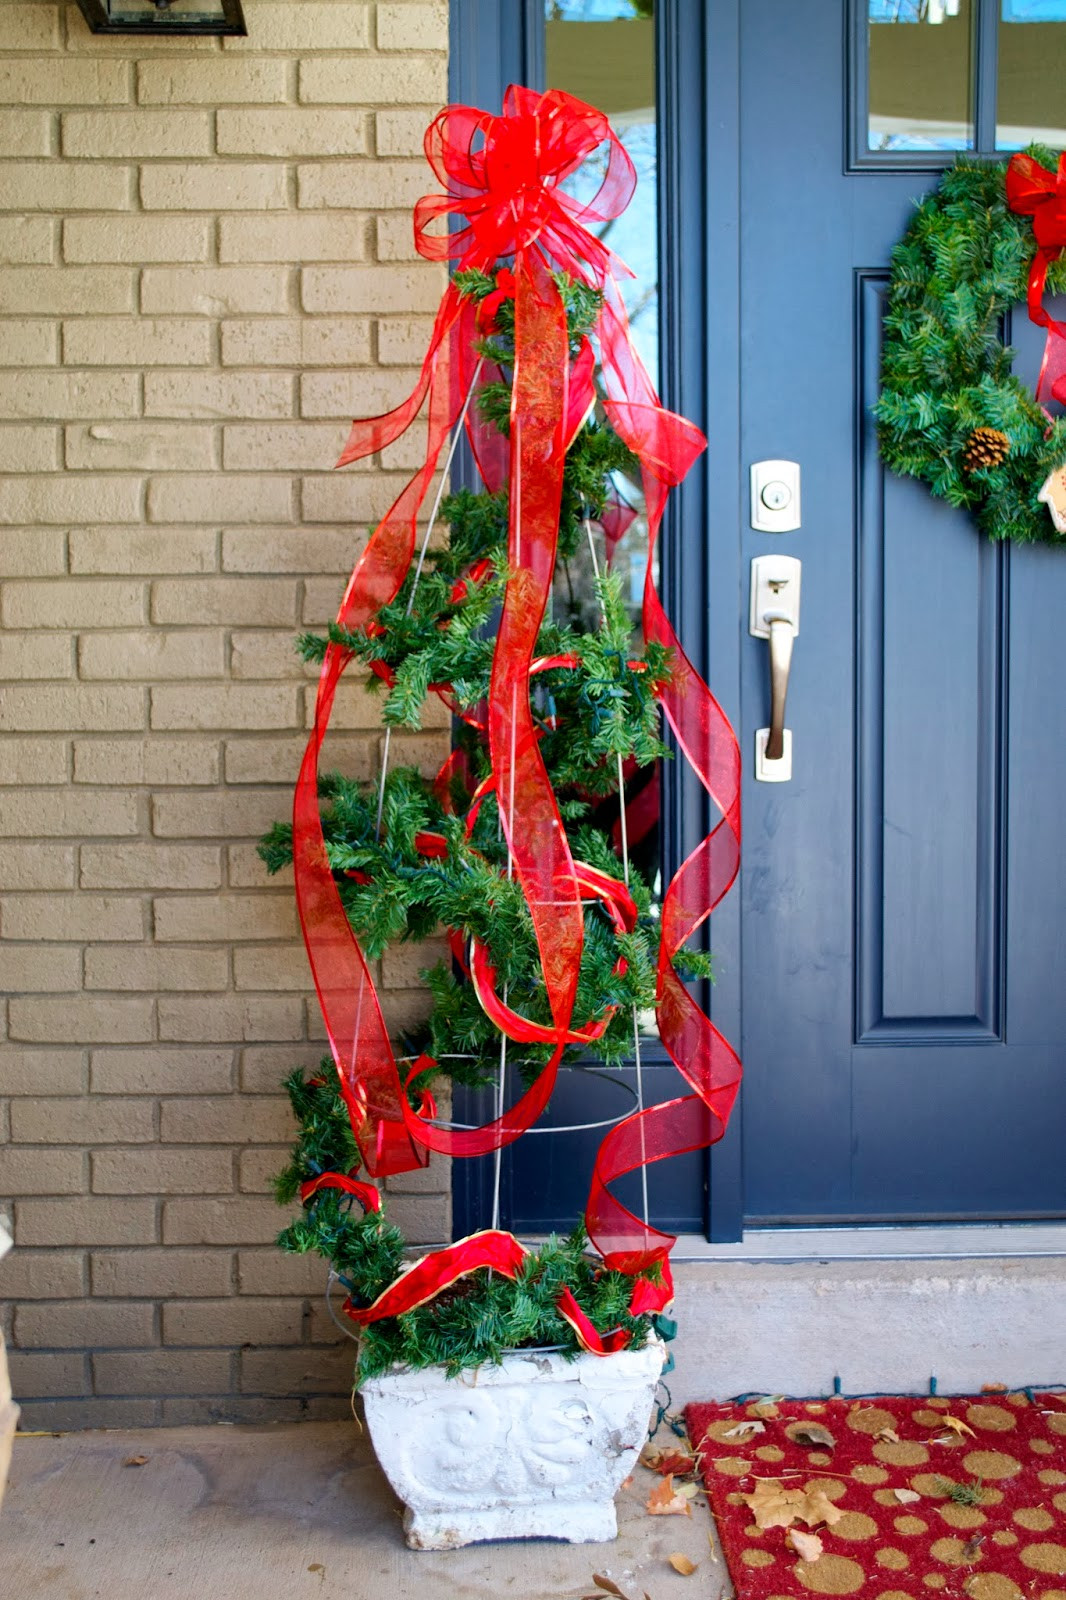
(773, 771)
(775, 496)
(775, 587)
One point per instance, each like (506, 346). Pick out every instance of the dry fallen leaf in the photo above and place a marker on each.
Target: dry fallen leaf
(807, 1546)
(135, 1461)
(811, 1433)
(666, 1501)
(678, 1461)
(650, 1456)
(971, 1547)
(776, 1507)
(741, 1430)
(957, 1425)
(887, 1436)
(906, 1497)
(766, 1408)
(689, 1490)
(608, 1584)
(682, 1564)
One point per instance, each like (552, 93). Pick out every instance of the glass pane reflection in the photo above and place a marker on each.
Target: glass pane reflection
(1031, 104)
(920, 94)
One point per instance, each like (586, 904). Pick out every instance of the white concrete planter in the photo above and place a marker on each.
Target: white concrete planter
(534, 1448)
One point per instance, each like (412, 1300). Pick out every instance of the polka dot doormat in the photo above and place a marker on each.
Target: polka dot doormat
(908, 1499)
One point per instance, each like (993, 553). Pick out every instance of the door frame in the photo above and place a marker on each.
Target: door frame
(496, 42)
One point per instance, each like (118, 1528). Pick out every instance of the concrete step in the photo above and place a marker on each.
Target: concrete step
(881, 1310)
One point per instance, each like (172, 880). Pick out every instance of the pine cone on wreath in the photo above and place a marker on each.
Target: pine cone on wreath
(986, 447)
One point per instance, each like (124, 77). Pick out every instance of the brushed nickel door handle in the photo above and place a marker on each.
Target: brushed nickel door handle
(782, 633)
(775, 604)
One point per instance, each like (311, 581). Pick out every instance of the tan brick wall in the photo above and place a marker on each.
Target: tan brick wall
(205, 270)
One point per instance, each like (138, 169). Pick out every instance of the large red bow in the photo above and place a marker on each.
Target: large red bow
(1035, 192)
(505, 176)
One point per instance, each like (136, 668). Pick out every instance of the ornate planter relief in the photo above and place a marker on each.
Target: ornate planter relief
(534, 1448)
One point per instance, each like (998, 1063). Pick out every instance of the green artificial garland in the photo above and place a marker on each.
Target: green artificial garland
(951, 411)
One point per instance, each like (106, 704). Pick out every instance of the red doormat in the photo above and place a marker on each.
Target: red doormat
(962, 1497)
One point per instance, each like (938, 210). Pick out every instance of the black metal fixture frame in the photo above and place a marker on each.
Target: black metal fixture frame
(105, 16)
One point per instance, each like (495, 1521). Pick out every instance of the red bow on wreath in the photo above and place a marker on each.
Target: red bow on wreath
(1035, 192)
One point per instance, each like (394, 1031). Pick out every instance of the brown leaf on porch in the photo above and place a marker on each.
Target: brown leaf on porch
(887, 1436)
(135, 1461)
(609, 1585)
(666, 1501)
(745, 1429)
(774, 1506)
(813, 1434)
(957, 1425)
(906, 1497)
(807, 1546)
(682, 1564)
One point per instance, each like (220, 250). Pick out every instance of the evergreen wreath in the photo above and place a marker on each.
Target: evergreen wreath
(951, 411)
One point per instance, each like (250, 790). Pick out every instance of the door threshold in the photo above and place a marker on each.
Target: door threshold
(948, 1242)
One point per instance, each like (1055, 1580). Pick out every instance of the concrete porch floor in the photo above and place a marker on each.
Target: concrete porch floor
(284, 1511)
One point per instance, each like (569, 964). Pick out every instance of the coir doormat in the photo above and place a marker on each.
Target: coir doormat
(889, 1499)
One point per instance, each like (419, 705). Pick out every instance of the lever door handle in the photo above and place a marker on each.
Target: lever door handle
(775, 604)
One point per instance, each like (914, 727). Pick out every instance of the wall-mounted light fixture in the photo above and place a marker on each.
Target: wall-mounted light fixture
(164, 16)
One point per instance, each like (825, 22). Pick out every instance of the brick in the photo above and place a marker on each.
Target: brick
(190, 1273)
(32, 551)
(30, 1072)
(29, 27)
(150, 866)
(31, 342)
(154, 761)
(367, 289)
(261, 654)
(263, 1067)
(359, 393)
(234, 1119)
(68, 394)
(314, 1370)
(252, 498)
(77, 917)
(237, 1018)
(144, 550)
(269, 1272)
(400, 131)
(82, 1122)
(47, 814)
(211, 83)
(284, 445)
(403, 339)
(47, 707)
(371, 80)
(44, 499)
(214, 291)
(308, 26)
(148, 969)
(180, 1412)
(26, 239)
(71, 605)
(267, 760)
(36, 866)
(85, 1221)
(44, 1274)
(168, 1071)
(245, 870)
(423, 1218)
(136, 342)
(226, 706)
(188, 653)
(29, 655)
(140, 446)
(72, 1415)
(161, 1372)
(236, 1219)
(57, 83)
(31, 969)
(42, 1372)
(218, 394)
(272, 968)
(304, 237)
(412, 27)
(135, 239)
(322, 598)
(357, 705)
(29, 449)
(60, 186)
(349, 497)
(132, 134)
(75, 1324)
(31, 1172)
(224, 813)
(213, 186)
(81, 1019)
(295, 131)
(230, 917)
(434, 1179)
(296, 341)
(402, 964)
(370, 186)
(162, 1171)
(236, 1321)
(258, 1168)
(64, 290)
(236, 602)
(394, 240)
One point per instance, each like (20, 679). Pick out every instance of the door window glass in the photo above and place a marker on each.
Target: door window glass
(1031, 102)
(919, 75)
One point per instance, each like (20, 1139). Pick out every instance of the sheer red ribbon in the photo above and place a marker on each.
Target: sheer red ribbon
(1035, 192)
(503, 176)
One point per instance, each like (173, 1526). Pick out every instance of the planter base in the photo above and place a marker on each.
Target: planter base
(535, 1448)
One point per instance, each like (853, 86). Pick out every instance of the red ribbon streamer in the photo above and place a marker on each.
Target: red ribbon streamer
(1035, 192)
(504, 175)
